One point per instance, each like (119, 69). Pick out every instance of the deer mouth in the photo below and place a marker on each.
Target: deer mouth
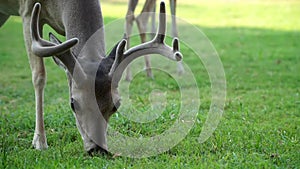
(97, 150)
(117, 104)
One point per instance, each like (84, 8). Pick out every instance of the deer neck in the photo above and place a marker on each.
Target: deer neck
(84, 20)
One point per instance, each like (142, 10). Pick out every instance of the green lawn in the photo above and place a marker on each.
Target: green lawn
(258, 44)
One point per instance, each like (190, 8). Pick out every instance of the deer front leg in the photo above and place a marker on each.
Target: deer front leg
(38, 79)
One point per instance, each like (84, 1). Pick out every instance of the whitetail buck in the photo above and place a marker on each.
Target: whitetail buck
(80, 20)
(142, 22)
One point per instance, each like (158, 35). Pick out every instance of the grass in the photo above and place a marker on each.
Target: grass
(258, 43)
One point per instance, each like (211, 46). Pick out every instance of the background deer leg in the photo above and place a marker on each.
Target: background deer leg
(180, 68)
(153, 22)
(142, 22)
(38, 80)
(142, 26)
(128, 27)
(173, 13)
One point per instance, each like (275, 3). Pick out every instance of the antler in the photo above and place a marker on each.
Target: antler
(41, 47)
(155, 46)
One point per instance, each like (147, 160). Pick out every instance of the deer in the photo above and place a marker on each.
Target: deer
(142, 24)
(93, 75)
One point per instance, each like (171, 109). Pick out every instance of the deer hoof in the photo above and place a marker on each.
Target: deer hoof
(39, 142)
(149, 73)
(128, 77)
(180, 69)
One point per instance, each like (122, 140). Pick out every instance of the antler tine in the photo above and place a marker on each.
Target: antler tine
(177, 54)
(41, 47)
(119, 56)
(156, 46)
(161, 31)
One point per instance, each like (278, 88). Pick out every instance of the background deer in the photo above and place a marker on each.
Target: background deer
(93, 77)
(142, 24)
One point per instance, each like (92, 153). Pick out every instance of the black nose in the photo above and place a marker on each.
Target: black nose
(116, 105)
(73, 102)
(97, 150)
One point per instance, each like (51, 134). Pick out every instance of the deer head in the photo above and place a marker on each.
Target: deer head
(94, 84)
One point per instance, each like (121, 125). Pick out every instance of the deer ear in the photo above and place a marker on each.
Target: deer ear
(65, 60)
(56, 59)
(54, 39)
(59, 63)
